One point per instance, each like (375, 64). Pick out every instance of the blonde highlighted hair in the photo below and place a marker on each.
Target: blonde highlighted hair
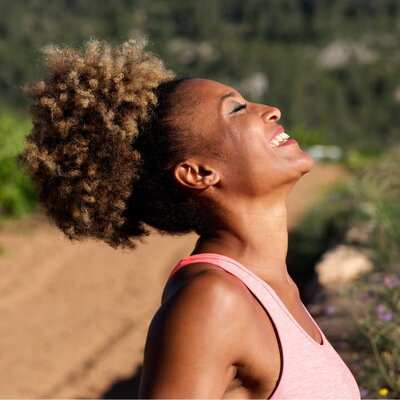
(87, 113)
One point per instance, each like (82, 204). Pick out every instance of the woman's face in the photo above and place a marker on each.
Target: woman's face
(243, 134)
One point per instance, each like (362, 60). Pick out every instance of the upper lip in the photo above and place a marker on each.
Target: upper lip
(276, 132)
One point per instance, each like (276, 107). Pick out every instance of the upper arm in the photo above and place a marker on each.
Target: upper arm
(193, 341)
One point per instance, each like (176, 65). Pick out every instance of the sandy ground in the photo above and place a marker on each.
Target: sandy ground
(74, 315)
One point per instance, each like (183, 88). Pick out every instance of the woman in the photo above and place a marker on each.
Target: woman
(119, 144)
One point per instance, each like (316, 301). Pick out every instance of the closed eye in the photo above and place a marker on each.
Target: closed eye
(238, 108)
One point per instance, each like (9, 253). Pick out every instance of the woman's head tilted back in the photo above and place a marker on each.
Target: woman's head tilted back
(118, 143)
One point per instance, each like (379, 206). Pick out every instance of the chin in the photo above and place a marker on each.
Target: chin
(303, 165)
(307, 162)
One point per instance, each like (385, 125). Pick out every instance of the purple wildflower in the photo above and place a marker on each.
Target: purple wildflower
(340, 344)
(384, 314)
(365, 298)
(364, 392)
(329, 309)
(386, 317)
(380, 309)
(391, 282)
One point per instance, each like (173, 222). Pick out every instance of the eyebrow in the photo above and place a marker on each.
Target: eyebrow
(225, 96)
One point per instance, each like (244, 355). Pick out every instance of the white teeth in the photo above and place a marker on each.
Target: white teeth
(275, 142)
(280, 138)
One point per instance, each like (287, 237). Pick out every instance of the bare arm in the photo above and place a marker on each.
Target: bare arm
(194, 341)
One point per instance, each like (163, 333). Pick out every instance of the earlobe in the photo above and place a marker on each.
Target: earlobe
(194, 176)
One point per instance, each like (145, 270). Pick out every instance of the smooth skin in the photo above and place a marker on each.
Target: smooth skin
(211, 338)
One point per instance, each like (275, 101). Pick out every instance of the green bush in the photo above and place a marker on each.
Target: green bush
(331, 66)
(377, 295)
(17, 193)
(364, 211)
(376, 300)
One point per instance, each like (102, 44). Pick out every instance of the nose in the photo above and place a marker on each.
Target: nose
(271, 114)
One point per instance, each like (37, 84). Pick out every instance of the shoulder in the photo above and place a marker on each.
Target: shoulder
(207, 292)
(203, 293)
(197, 333)
(202, 332)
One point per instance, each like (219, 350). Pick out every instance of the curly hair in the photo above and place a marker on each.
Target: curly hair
(103, 141)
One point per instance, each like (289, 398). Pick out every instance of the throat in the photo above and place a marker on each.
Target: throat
(253, 235)
(265, 256)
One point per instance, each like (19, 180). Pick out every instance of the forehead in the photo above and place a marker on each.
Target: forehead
(207, 96)
(198, 107)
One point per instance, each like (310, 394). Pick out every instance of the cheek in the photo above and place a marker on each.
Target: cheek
(258, 154)
(256, 166)
(248, 146)
(248, 137)
(262, 168)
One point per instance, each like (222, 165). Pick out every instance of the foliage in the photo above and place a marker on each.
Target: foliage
(364, 211)
(377, 297)
(377, 313)
(331, 66)
(17, 194)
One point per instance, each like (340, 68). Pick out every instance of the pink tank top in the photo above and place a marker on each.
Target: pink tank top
(309, 370)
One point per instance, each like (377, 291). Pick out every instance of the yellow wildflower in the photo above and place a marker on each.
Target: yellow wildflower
(383, 392)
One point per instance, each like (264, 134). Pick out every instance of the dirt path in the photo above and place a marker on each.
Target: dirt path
(74, 316)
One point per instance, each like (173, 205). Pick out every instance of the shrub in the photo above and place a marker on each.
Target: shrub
(364, 211)
(17, 193)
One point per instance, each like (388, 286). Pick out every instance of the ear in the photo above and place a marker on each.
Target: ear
(192, 175)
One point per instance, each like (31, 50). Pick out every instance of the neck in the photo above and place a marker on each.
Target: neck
(255, 235)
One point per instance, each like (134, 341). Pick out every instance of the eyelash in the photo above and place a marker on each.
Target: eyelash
(238, 108)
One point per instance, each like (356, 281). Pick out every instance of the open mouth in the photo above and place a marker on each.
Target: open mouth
(279, 139)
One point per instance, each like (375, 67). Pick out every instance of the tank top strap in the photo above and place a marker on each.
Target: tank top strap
(288, 329)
